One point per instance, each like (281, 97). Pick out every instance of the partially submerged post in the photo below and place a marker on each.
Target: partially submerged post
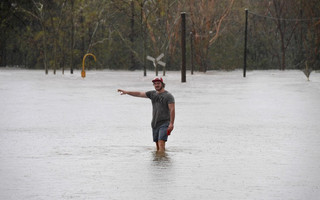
(191, 52)
(183, 47)
(245, 45)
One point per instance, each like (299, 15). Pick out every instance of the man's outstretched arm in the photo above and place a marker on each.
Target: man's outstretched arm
(133, 93)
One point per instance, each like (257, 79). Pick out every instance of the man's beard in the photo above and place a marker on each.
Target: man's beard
(160, 88)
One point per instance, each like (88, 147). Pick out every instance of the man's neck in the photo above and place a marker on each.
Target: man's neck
(161, 91)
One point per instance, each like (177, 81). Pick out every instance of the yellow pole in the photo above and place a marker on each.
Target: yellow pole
(83, 73)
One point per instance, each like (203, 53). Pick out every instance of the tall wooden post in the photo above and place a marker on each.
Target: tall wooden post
(132, 37)
(245, 45)
(143, 40)
(72, 37)
(183, 47)
(191, 51)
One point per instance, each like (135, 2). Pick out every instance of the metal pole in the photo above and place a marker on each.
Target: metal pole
(191, 47)
(144, 41)
(156, 68)
(183, 47)
(72, 37)
(132, 36)
(245, 45)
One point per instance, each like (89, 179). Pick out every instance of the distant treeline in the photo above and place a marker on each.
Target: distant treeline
(56, 34)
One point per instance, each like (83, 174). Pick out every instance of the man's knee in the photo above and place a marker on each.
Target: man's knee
(161, 142)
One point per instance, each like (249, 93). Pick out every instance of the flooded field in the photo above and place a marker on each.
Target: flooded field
(64, 137)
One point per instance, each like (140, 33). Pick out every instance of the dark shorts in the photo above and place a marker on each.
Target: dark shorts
(160, 132)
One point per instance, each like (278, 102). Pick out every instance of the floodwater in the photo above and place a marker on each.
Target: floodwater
(64, 137)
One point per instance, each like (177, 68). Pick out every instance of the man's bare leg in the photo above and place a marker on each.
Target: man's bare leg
(161, 145)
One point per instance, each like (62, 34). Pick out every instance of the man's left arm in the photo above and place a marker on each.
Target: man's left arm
(172, 116)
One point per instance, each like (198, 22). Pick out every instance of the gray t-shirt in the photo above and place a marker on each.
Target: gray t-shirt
(160, 108)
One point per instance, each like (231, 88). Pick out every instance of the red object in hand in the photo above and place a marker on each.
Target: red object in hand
(168, 132)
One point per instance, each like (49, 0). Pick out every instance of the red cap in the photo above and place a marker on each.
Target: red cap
(157, 79)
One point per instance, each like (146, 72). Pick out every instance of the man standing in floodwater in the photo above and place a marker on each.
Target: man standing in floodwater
(163, 111)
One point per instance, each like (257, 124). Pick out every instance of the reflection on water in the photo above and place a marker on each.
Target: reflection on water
(160, 157)
(161, 160)
(161, 173)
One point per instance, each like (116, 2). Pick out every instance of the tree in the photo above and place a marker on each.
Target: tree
(72, 35)
(162, 22)
(207, 17)
(280, 10)
(57, 33)
(311, 39)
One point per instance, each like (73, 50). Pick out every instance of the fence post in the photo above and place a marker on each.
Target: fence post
(191, 48)
(183, 47)
(245, 45)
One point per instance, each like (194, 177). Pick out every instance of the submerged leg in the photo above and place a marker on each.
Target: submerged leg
(161, 145)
